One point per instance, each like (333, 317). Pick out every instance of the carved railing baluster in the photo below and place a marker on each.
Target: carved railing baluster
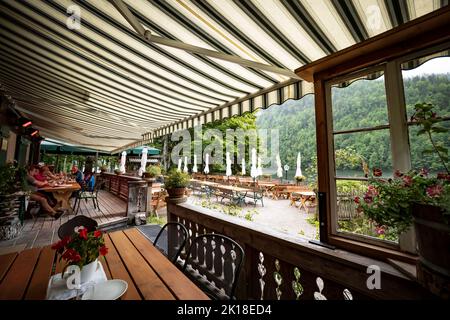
(262, 272)
(296, 285)
(278, 279)
(318, 295)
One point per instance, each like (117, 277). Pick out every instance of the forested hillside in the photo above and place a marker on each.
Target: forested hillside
(360, 105)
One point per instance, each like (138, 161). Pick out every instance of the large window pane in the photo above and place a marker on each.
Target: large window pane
(429, 82)
(362, 104)
(349, 220)
(357, 152)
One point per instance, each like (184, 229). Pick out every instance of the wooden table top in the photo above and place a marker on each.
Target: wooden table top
(64, 187)
(131, 257)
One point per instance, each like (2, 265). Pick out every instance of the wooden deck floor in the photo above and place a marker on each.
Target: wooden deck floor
(44, 230)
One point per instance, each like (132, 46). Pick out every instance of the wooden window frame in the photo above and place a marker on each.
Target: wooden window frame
(428, 32)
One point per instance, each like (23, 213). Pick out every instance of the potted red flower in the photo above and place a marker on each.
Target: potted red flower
(82, 249)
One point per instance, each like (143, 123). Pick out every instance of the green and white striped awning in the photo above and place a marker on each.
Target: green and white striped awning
(105, 85)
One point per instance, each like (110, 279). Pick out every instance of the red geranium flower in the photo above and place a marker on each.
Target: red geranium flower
(407, 180)
(377, 172)
(71, 255)
(398, 173)
(434, 191)
(357, 200)
(97, 233)
(83, 233)
(103, 250)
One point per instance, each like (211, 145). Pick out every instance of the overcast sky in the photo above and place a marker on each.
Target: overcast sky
(437, 65)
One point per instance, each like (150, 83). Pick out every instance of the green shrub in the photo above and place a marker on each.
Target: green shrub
(153, 171)
(177, 179)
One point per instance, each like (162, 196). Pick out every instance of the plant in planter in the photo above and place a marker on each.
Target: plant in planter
(415, 197)
(152, 171)
(82, 249)
(117, 171)
(299, 179)
(176, 183)
(104, 168)
(13, 193)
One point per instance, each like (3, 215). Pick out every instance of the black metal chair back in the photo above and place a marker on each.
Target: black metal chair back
(171, 240)
(213, 262)
(68, 228)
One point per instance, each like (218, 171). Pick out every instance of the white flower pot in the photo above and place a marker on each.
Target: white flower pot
(88, 271)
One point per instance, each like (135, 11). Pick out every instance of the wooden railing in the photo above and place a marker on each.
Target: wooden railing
(118, 184)
(281, 266)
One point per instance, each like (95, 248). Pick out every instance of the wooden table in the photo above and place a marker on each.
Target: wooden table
(131, 257)
(62, 194)
(303, 197)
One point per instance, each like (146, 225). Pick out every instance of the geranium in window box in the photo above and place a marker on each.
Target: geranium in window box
(418, 198)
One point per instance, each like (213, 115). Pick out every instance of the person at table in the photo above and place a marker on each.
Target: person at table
(78, 175)
(45, 171)
(39, 174)
(37, 196)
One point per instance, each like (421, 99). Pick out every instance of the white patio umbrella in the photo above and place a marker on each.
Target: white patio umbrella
(206, 170)
(143, 161)
(179, 165)
(298, 172)
(122, 162)
(185, 169)
(253, 169)
(243, 166)
(194, 168)
(279, 169)
(228, 163)
(259, 170)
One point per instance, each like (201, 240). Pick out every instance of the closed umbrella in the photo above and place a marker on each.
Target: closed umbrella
(179, 165)
(143, 161)
(228, 162)
(206, 170)
(259, 170)
(243, 166)
(194, 167)
(298, 172)
(253, 169)
(185, 169)
(279, 169)
(122, 162)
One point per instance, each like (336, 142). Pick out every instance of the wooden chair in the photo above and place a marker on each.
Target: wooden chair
(68, 228)
(213, 262)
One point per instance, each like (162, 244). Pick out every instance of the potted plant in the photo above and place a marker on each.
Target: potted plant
(299, 179)
(176, 183)
(82, 249)
(417, 198)
(13, 194)
(152, 172)
(104, 168)
(117, 171)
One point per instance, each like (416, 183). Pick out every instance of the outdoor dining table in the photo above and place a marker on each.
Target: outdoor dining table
(62, 194)
(131, 257)
(303, 196)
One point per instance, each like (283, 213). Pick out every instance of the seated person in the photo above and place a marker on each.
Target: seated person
(39, 197)
(89, 181)
(45, 171)
(78, 175)
(39, 175)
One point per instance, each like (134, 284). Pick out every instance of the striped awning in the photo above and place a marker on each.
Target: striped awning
(106, 86)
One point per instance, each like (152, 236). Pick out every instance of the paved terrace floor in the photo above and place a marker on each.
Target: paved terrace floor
(44, 230)
(277, 214)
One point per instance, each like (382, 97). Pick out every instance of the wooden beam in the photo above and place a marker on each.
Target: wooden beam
(146, 34)
(429, 30)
